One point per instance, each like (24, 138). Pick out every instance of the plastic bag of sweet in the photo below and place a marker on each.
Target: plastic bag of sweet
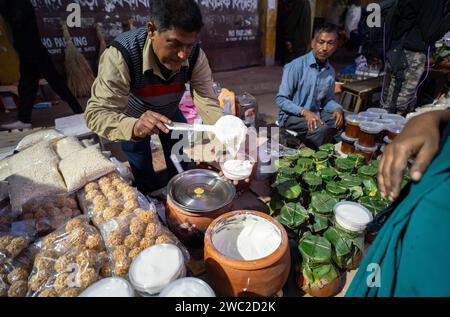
(11, 246)
(49, 213)
(128, 235)
(84, 166)
(69, 260)
(14, 275)
(110, 197)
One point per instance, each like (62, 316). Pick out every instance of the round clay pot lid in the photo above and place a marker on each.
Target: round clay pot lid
(200, 191)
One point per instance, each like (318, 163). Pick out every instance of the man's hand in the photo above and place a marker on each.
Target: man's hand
(419, 141)
(150, 123)
(338, 115)
(312, 119)
(235, 183)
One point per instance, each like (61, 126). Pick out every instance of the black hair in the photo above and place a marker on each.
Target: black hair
(181, 14)
(327, 28)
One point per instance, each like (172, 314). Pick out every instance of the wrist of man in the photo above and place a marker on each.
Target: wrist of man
(302, 113)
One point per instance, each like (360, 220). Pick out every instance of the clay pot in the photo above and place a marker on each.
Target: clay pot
(327, 290)
(190, 227)
(194, 199)
(233, 277)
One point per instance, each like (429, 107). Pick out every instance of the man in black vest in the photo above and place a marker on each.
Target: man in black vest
(141, 80)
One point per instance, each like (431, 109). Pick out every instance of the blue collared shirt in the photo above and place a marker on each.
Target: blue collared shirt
(305, 87)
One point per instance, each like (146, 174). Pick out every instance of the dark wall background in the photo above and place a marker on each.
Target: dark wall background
(231, 37)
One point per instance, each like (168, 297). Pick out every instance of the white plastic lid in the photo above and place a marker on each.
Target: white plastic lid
(371, 127)
(348, 139)
(384, 122)
(368, 116)
(377, 111)
(394, 117)
(352, 216)
(352, 118)
(187, 287)
(395, 128)
(109, 287)
(365, 148)
(155, 267)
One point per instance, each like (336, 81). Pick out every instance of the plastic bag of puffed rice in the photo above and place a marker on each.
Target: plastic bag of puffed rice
(36, 154)
(38, 180)
(37, 137)
(84, 166)
(67, 146)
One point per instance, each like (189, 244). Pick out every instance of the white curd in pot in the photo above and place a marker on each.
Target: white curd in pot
(246, 237)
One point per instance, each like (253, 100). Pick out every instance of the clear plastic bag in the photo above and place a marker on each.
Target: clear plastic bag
(14, 275)
(67, 146)
(123, 170)
(5, 171)
(38, 180)
(127, 236)
(11, 245)
(46, 214)
(44, 135)
(84, 166)
(68, 261)
(36, 154)
(109, 197)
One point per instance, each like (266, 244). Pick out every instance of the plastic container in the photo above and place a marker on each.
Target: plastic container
(239, 168)
(248, 109)
(352, 126)
(385, 123)
(368, 152)
(377, 111)
(352, 216)
(369, 133)
(348, 144)
(187, 287)
(155, 268)
(109, 287)
(368, 116)
(394, 117)
(393, 131)
(231, 274)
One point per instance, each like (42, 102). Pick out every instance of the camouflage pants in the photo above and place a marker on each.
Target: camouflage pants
(407, 96)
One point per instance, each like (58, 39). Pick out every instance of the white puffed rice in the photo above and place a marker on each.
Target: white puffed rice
(84, 166)
(38, 180)
(38, 153)
(44, 135)
(67, 146)
(5, 172)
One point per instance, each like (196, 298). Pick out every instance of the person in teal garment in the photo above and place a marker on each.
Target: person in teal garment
(410, 255)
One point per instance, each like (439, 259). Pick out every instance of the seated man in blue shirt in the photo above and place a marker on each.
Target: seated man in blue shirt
(306, 93)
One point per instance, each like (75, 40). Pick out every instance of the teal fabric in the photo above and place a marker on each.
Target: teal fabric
(412, 247)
